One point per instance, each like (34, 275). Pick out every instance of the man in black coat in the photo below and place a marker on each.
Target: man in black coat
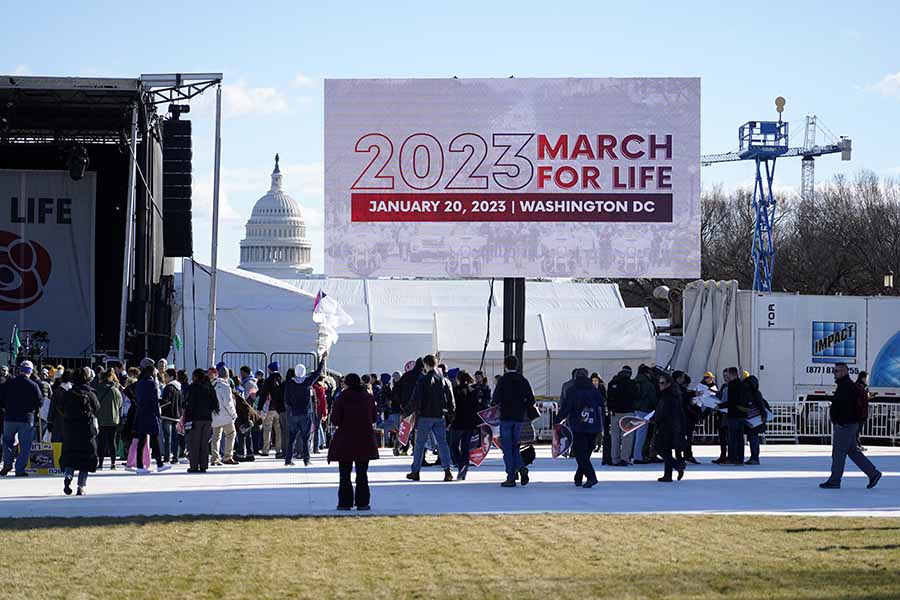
(735, 401)
(21, 400)
(622, 393)
(432, 401)
(404, 393)
(845, 424)
(514, 395)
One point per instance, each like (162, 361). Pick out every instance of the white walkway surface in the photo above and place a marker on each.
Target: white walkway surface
(786, 483)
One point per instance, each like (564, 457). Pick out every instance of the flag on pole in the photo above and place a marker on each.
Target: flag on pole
(14, 345)
(330, 315)
(177, 342)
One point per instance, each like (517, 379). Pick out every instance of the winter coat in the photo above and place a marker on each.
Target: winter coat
(513, 393)
(298, 392)
(246, 415)
(146, 420)
(21, 399)
(483, 394)
(227, 411)
(622, 393)
(432, 396)
(467, 406)
(582, 407)
(735, 399)
(321, 400)
(406, 386)
(353, 413)
(171, 404)
(757, 402)
(110, 399)
(843, 403)
(56, 414)
(79, 449)
(670, 421)
(200, 402)
(273, 391)
(646, 399)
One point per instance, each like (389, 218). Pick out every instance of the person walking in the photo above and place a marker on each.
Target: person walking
(271, 402)
(147, 417)
(170, 410)
(300, 410)
(432, 401)
(670, 424)
(465, 422)
(21, 399)
(199, 405)
(110, 399)
(845, 418)
(223, 420)
(514, 395)
(79, 447)
(582, 408)
(353, 443)
(622, 394)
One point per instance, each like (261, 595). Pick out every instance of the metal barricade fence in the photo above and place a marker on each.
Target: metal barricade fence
(287, 360)
(257, 361)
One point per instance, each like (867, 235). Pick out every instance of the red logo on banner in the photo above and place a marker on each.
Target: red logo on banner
(24, 271)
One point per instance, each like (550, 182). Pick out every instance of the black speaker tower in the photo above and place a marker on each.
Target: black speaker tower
(177, 155)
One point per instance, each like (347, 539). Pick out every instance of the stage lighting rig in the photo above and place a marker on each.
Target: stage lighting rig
(77, 161)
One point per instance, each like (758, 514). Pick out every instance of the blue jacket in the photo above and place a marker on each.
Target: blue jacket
(146, 420)
(298, 394)
(582, 407)
(21, 398)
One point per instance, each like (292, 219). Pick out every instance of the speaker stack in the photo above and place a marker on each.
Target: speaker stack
(177, 154)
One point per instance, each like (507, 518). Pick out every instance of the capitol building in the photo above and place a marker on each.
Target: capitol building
(275, 243)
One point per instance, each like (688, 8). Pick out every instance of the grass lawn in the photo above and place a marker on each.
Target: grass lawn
(531, 556)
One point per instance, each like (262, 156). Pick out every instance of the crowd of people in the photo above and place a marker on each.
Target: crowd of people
(220, 417)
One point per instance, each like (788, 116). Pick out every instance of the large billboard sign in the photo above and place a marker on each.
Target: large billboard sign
(47, 257)
(512, 177)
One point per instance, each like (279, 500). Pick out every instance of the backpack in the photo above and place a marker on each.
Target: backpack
(861, 403)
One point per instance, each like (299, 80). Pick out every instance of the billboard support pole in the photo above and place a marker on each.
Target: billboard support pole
(211, 339)
(129, 234)
(514, 318)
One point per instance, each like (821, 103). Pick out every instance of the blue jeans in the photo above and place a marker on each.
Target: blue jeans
(26, 434)
(170, 440)
(460, 443)
(640, 436)
(426, 426)
(509, 443)
(297, 425)
(82, 476)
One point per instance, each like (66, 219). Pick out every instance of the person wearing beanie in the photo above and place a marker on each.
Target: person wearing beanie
(22, 399)
(147, 417)
(223, 420)
(622, 393)
(300, 410)
(353, 443)
(271, 402)
(79, 447)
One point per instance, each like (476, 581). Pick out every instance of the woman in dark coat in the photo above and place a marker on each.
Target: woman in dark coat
(354, 442)
(465, 422)
(147, 418)
(79, 449)
(56, 414)
(670, 427)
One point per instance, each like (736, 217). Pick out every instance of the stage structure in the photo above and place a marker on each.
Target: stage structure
(95, 195)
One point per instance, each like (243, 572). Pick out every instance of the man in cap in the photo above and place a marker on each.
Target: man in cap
(21, 399)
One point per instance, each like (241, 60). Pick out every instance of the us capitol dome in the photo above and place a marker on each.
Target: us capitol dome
(276, 244)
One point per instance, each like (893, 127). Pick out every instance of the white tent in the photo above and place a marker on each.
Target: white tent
(254, 313)
(557, 342)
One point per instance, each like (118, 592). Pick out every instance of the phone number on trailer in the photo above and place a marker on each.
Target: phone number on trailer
(600, 207)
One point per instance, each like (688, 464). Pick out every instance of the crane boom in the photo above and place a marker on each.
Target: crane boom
(843, 146)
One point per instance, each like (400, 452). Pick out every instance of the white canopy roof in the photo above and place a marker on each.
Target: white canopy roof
(600, 340)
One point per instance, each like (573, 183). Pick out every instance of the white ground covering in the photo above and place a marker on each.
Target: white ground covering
(786, 483)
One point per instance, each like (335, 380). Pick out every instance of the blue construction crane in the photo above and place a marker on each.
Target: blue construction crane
(763, 142)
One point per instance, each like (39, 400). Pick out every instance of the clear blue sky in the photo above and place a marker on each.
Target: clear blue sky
(838, 60)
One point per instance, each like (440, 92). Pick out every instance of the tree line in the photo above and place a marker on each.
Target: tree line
(841, 241)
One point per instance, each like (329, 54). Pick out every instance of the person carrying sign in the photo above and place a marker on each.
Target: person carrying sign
(582, 408)
(431, 401)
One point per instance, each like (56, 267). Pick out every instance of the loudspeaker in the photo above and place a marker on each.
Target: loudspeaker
(177, 188)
